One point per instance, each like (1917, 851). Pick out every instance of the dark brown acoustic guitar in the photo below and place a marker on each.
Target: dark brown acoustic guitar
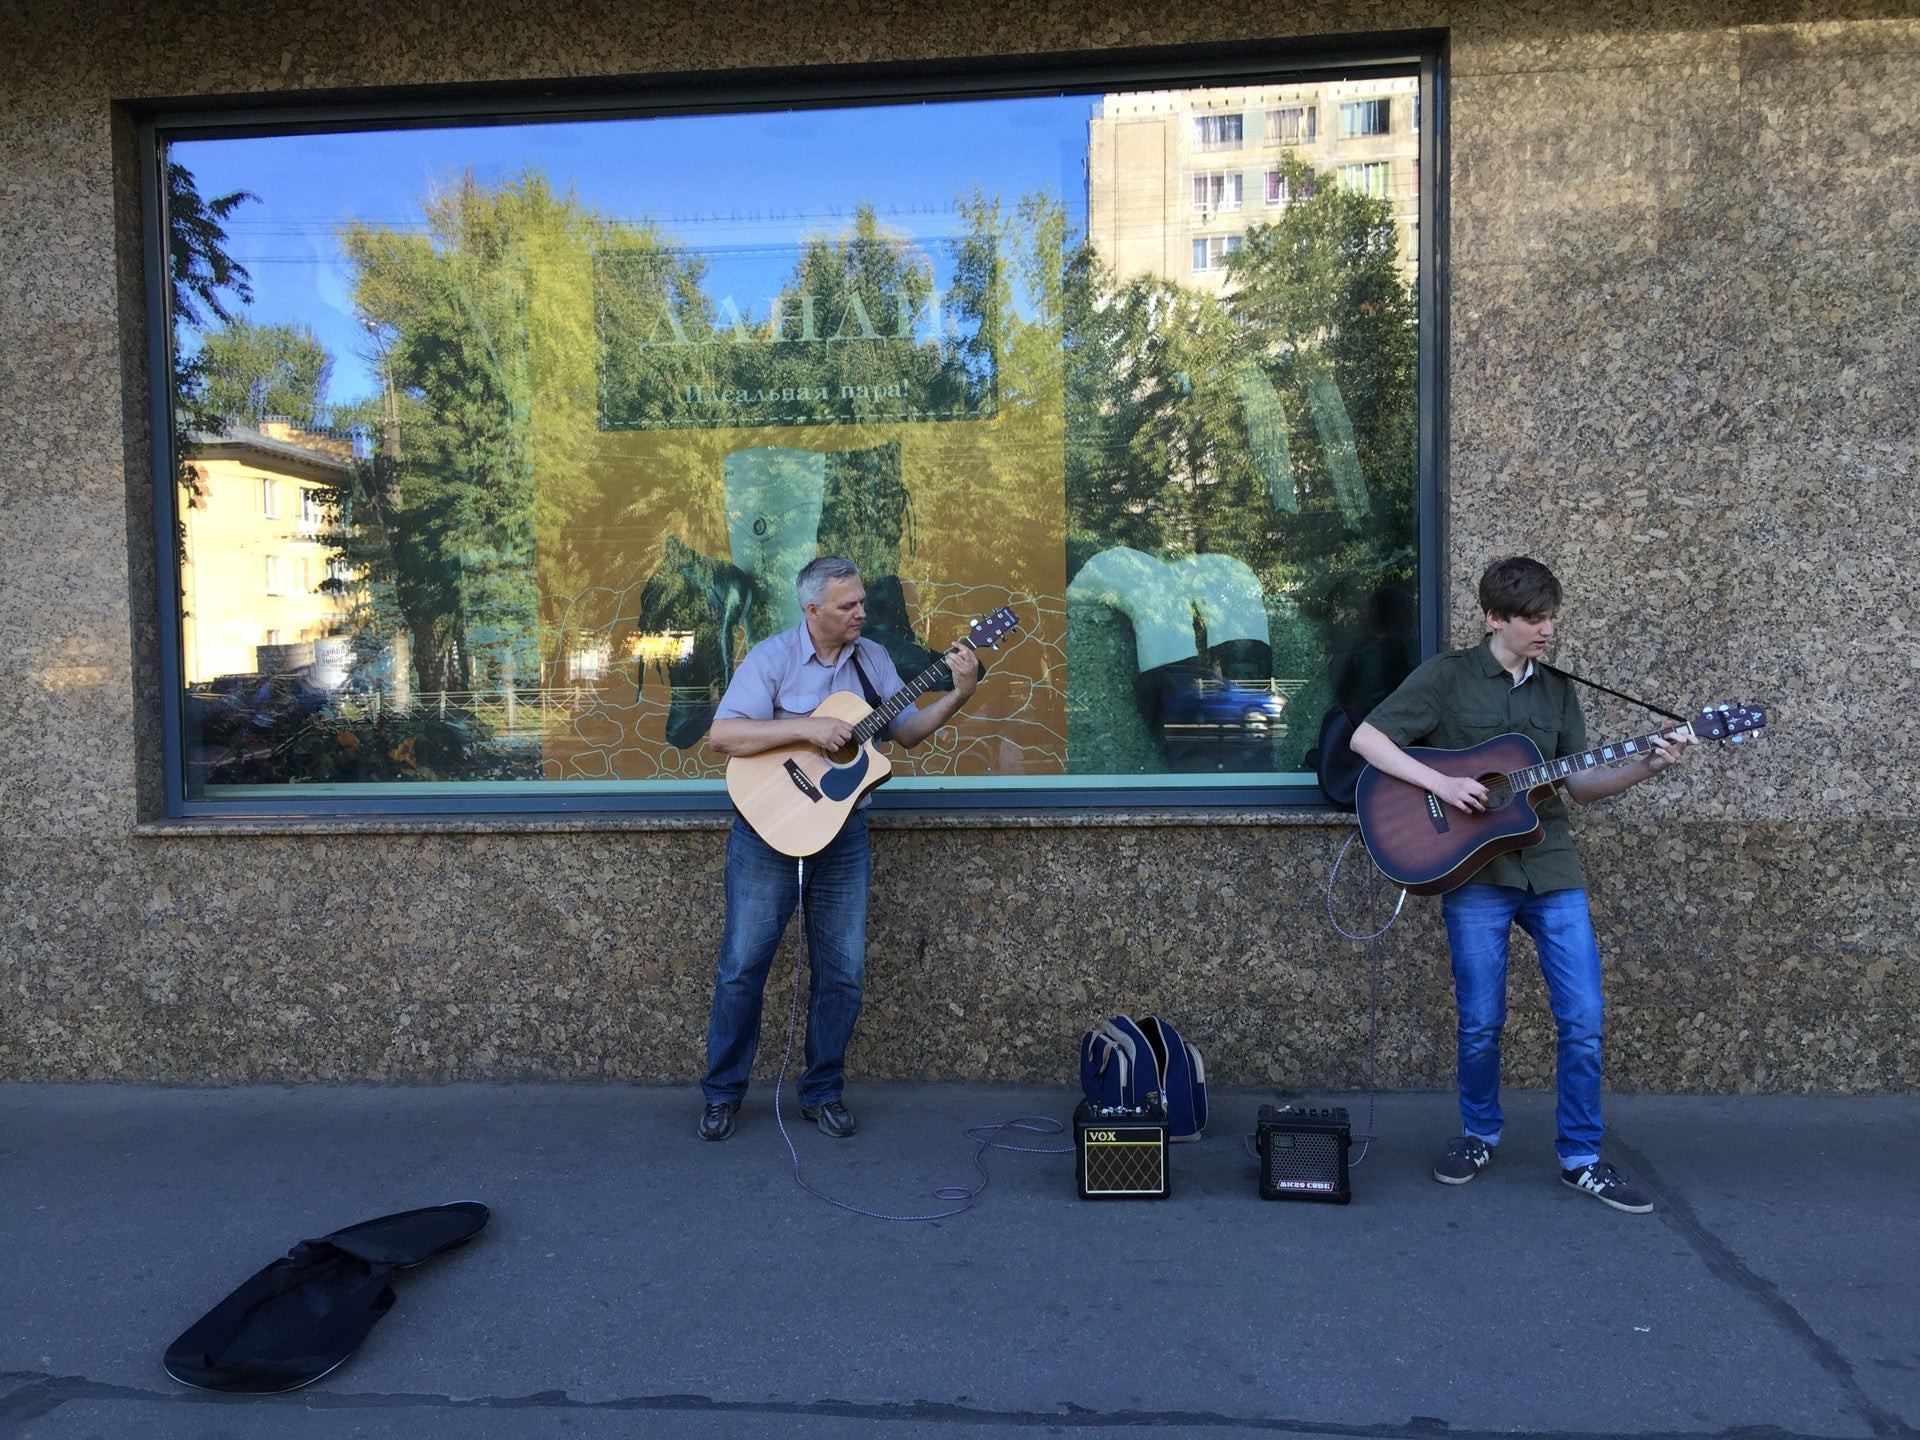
(796, 797)
(1423, 843)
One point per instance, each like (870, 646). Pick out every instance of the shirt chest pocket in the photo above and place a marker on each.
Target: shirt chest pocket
(1474, 723)
(1484, 721)
(1542, 729)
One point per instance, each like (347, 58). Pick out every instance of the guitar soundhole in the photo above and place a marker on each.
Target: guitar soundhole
(846, 754)
(1499, 793)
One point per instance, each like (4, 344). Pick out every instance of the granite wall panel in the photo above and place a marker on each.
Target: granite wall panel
(1684, 335)
(1739, 956)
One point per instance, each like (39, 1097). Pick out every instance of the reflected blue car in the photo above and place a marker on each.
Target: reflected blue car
(1196, 703)
(227, 703)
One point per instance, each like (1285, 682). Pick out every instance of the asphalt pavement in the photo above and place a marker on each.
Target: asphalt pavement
(637, 1281)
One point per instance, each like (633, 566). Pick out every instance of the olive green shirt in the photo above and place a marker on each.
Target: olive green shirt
(1462, 697)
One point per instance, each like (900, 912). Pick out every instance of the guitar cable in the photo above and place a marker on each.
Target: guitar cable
(1333, 875)
(1372, 941)
(960, 1198)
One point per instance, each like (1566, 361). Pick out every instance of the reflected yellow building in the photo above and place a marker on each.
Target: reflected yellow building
(255, 550)
(1175, 178)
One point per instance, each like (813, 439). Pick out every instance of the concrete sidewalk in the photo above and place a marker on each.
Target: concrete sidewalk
(638, 1281)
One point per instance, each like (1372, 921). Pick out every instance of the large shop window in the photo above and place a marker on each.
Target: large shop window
(495, 440)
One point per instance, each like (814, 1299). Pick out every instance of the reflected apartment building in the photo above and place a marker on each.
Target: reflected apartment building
(256, 550)
(1175, 179)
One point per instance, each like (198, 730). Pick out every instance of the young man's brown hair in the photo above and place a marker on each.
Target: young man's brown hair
(1519, 586)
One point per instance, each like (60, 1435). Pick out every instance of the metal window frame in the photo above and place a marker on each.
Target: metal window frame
(1422, 54)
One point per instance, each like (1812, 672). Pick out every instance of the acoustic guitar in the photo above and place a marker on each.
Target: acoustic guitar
(796, 797)
(1421, 842)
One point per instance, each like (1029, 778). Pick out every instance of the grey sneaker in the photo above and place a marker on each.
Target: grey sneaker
(832, 1117)
(1608, 1186)
(1465, 1158)
(716, 1119)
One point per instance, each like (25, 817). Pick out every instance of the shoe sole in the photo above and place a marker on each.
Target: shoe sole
(819, 1123)
(1455, 1179)
(1646, 1209)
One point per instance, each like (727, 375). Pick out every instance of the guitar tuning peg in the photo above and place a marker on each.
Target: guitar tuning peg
(1741, 738)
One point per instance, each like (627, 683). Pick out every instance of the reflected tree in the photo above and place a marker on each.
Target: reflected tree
(248, 372)
(484, 328)
(204, 281)
(1321, 295)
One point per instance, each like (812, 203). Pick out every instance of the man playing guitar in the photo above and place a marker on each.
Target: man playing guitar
(1461, 698)
(770, 703)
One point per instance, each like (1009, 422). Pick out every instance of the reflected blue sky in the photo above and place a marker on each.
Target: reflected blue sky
(758, 181)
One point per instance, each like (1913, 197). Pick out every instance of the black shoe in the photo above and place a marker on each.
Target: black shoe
(833, 1118)
(1465, 1158)
(716, 1121)
(1608, 1186)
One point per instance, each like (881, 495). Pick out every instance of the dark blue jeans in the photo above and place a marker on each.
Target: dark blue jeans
(1480, 918)
(762, 891)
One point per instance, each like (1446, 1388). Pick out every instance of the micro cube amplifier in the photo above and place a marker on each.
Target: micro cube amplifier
(1121, 1151)
(1303, 1154)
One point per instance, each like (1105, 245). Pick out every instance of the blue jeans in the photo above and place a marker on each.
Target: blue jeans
(762, 891)
(1480, 918)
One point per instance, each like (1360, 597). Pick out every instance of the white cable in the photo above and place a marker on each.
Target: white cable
(1334, 919)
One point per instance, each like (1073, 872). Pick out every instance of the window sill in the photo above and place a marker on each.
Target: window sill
(1275, 817)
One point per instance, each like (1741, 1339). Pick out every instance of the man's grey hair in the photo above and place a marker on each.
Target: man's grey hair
(811, 584)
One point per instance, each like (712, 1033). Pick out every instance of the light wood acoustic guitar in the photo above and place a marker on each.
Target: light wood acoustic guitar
(797, 797)
(1423, 843)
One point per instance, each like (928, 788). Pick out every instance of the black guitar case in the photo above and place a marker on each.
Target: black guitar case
(303, 1315)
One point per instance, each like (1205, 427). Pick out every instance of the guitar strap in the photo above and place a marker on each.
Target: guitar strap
(1608, 690)
(866, 685)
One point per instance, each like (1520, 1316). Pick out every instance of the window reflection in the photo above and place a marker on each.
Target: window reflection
(497, 447)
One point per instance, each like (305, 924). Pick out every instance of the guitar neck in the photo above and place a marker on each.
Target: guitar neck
(889, 710)
(1535, 776)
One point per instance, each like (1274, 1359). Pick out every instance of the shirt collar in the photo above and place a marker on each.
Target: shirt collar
(809, 653)
(1490, 665)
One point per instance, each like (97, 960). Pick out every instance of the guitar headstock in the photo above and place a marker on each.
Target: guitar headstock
(1728, 722)
(988, 629)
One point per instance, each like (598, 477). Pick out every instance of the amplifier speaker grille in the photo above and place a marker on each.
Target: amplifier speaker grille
(1303, 1154)
(1121, 1155)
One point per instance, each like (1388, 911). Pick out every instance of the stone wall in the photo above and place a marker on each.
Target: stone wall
(1684, 335)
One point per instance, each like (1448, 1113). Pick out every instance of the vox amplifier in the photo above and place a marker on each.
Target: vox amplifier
(1303, 1154)
(1121, 1151)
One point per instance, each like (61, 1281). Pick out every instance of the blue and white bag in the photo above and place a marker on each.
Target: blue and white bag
(1123, 1063)
(1117, 1065)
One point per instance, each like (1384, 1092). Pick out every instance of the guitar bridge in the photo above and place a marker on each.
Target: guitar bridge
(1436, 813)
(801, 782)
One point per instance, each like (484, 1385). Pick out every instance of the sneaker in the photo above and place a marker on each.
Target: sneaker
(833, 1118)
(1608, 1186)
(716, 1121)
(1465, 1158)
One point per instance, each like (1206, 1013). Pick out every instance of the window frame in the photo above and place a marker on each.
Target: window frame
(1310, 127)
(1218, 248)
(1219, 192)
(1202, 145)
(1365, 171)
(1368, 107)
(1421, 55)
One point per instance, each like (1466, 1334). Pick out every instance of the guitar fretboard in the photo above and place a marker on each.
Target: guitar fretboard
(1537, 775)
(889, 710)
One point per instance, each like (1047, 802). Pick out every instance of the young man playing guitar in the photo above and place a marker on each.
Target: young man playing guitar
(769, 703)
(1462, 698)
